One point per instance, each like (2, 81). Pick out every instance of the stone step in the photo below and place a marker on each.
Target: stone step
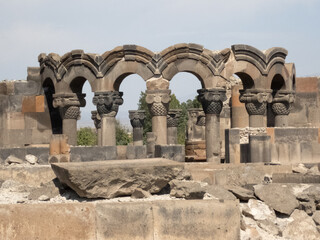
(294, 178)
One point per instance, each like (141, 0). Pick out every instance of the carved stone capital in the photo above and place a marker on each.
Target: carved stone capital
(137, 118)
(255, 100)
(69, 104)
(201, 119)
(173, 117)
(108, 102)
(282, 102)
(212, 99)
(158, 102)
(96, 119)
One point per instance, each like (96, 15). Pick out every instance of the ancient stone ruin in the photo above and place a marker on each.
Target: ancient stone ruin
(249, 167)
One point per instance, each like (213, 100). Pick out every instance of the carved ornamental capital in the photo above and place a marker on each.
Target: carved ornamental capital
(173, 117)
(137, 118)
(96, 119)
(255, 100)
(212, 99)
(108, 102)
(282, 102)
(69, 104)
(158, 102)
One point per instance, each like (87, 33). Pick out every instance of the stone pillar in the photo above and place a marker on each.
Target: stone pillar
(158, 103)
(151, 143)
(172, 125)
(256, 104)
(212, 102)
(240, 117)
(69, 106)
(281, 106)
(260, 149)
(137, 121)
(107, 106)
(97, 123)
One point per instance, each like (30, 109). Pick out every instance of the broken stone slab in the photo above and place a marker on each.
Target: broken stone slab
(300, 168)
(187, 189)
(110, 179)
(301, 228)
(316, 217)
(241, 193)
(280, 197)
(218, 192)
(258, 210)
(140, 193)
(12, 159)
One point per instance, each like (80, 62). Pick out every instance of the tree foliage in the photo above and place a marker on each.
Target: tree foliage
(123, 137)
(174, 104)
(86, 137)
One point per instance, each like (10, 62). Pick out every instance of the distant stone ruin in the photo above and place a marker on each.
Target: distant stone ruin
(249, 168)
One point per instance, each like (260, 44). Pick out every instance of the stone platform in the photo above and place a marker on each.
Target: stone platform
(109, 179)
(175, 219)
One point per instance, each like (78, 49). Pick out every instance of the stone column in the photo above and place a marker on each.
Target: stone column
(137, 121)
(97, 123)
(158, 103)
(172, 125)
(107, 106)
(281, 106)
(212, 102)
(69, 106)
(256, 101)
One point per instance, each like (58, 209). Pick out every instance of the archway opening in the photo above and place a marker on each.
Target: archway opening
(246, 80)
(55, 117)
(133, 88)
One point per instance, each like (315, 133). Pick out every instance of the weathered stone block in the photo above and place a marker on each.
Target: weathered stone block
(294, 178)
(136, 152)
(196, 219)
(173, 152)
(94, 153)
(58, 221)
(15, 120)
(125, 221)
(109, 179)
(29, 104)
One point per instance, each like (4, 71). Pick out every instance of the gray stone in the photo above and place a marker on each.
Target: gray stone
(109, 179)
(301, 228)
(277, 196)
(140, 193)
(219, 192)
(136, 152)
(308, 207)
(316, 217)
(300, 168)
(241, 193)
(173, 152)
(43, 198)
(313, 192)
(314, 170)
(258, 210)
(50, 189)
(187, 189)
(13, 159)
(31, 159)
(93, 153)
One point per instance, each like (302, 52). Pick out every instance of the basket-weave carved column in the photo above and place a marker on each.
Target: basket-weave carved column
(281, 106)
(256, 101)
(107, 106)
(158, 104)
(137, 121)
(172, 125)
(97, 123)
(69, 106)
(212, 103)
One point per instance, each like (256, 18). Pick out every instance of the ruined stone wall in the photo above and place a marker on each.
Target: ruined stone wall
(306, 108)
(24, 115)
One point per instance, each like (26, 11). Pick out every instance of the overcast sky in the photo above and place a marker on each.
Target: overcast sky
(30, 27)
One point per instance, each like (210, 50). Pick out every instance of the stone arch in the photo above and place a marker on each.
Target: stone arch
(56, 121)
(258, 64)
(206, 65)
(125, 60)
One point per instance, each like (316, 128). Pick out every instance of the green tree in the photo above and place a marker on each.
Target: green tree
(174, 104)
(86, 136)
(123, 137)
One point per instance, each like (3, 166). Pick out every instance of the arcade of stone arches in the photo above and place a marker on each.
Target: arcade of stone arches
(265, 76)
